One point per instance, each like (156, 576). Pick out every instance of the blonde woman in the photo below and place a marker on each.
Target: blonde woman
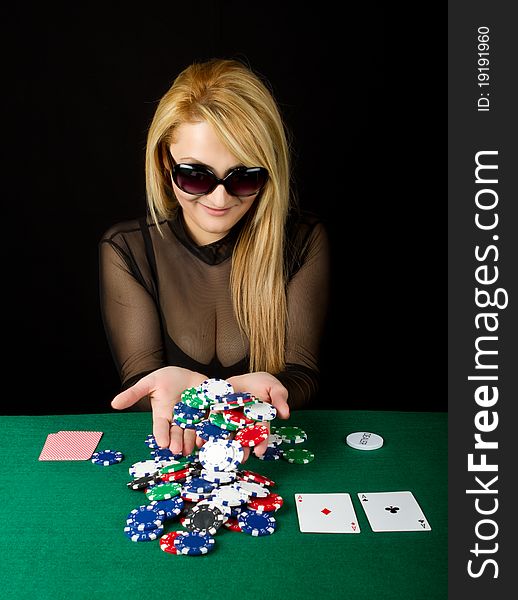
(224, 277)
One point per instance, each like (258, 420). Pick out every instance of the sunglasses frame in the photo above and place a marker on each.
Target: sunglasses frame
(173, 166)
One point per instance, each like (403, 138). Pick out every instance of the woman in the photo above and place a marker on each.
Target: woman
(224, 278)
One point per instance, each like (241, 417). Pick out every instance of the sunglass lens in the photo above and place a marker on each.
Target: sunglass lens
(193, 181)
(247, 182)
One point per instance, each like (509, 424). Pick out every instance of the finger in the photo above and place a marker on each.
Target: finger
(260, 449)
(189, 438)
(279, 398)
(246, 453)
(161, 430)
(132, 395)
(199, 441)
(176, 445)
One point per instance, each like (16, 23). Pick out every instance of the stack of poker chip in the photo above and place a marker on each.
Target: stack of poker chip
(208, 489)
(284, 442)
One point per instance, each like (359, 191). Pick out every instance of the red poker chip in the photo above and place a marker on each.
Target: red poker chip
(251, 435)
(232, 523)
(256, 478)
(176, 475)
(167, 542)
(236, 417)
(270, 503)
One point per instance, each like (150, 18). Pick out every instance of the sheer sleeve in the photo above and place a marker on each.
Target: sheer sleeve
(308, 300)
(128, 304)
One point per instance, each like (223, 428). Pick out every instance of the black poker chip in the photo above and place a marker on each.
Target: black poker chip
(203, 518)
(141, 483)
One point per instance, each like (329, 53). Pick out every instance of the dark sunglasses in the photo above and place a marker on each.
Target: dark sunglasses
(200, 180)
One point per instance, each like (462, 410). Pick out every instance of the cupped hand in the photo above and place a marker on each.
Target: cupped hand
(267, 388)
(164, 387)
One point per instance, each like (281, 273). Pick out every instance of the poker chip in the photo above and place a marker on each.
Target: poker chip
(270, 503)
(151, 442)
(146, 518)
(232, 524)
(274, 440)
(141, 483)
(203, 518)
(217, 418)
(291, 435)
(256, 523)
(229, 495)
(164, 491)
(192, 543)
(364, 440)
(143, 468)
(167, 542)
(233, 400)
(299, 456)
(260, 411)
(215, 388)
(173, 466)
(236, 417)
(194, 398)
(171, 507)
(219, 476)
(199, 485)
(180, 476)
(221, 455)
(248, 475)
(210, 431)
(252, 435)
(271, 454)
(143, 536)
(252, 489)
(107, 457)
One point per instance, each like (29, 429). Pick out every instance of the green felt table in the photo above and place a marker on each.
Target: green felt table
(62, 522)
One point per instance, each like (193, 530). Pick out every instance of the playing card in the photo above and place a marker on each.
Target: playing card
(393, 511)
(326, 513)
(70, 445)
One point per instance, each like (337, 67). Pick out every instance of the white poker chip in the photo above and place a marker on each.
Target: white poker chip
(229, 495)
(364, 440)
(144, 468)
(253, 489)
(260, 411)
(221, 455)
(215, 388)
(274, 440)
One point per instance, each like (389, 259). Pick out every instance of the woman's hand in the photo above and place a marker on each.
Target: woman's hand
(164, 387)
(267, 388)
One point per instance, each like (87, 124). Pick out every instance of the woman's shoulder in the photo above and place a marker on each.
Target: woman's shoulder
(305, 230)
(122, 230)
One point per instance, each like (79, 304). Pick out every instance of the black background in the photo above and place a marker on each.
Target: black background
(362, 94)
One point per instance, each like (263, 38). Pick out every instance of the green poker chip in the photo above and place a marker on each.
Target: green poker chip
(292, 435)
(164, 491)
(299, 456)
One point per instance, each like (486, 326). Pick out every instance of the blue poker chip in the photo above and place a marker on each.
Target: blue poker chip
(184, 411)
(172, 507)
(271, 453)
(256, 523)
(198, 485)
(143, 536)
(192, 543)
(150, 441)
(208, 431)
(146, 517)
(107, 457)
(163, 454)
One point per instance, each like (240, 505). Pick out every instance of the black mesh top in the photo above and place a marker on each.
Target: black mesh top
(166, 301)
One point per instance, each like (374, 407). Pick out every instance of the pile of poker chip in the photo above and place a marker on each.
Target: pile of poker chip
(208, 489)
(292, 436)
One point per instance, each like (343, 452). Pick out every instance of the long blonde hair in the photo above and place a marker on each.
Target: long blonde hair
(239, 105)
